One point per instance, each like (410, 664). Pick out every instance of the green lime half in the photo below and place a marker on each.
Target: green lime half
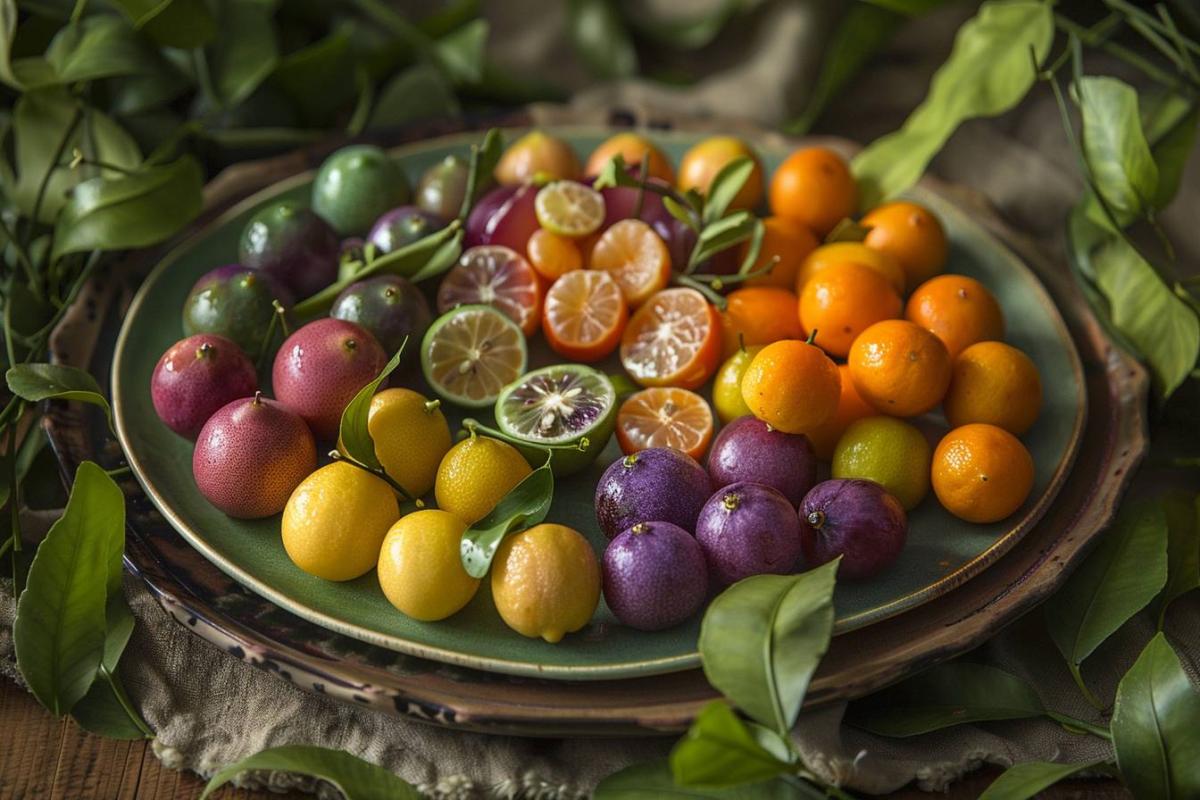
(569, 407)
(472, 352)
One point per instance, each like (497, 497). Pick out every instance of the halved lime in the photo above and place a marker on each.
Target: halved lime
(472, 352)
(559, 407)
(569, 208)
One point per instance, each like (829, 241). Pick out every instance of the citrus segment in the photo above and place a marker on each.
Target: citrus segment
(673, 340)
(470, 354)
(636, 257)
(553, 256)
(569, 208)
(665, 417)
(494, 275)
(584, 316)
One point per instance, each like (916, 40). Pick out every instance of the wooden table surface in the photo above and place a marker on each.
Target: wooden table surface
(41, 757)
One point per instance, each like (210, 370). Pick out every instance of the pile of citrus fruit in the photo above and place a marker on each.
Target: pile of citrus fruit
(822, 346)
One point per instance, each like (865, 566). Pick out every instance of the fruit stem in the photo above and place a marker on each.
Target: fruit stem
(257, 398)
(741, 342)
(432, 406)
(731, 501)
(816, 518)
(338, 455)
(812, 337)
(281, 313)
(641, 527)
(205, 350)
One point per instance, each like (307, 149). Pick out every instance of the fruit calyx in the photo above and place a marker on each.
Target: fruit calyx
(640, 528)
(205, 350)
(816, 519)
(731, 501)
(629, 461)
(812, 338)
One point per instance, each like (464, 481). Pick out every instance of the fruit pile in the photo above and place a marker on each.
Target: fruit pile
(820, 340)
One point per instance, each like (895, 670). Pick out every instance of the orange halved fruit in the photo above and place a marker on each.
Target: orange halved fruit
(584, 315)
(636, 257)
(674, 339)
(663, 416)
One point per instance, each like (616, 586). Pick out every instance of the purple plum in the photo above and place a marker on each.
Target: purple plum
(197, 376)
(855, 519)
(294, 245)
(748, 449)
(654, 576)
(401, 227)
(506, 216)
(658, 484)
(748, 529)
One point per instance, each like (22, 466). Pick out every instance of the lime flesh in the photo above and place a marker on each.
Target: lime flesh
(472, 352)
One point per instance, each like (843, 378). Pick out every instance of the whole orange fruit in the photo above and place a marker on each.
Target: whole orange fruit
(841, 302)
(912, 235)
(995, 383)
(792, 385)
(814, 186)
(633, 148)
(959, 310)
(981, 473)
(827, 255)
(850, 409)
(786, 240)
(900, 368)
(758, 315)
(702, 163)
(537, 154)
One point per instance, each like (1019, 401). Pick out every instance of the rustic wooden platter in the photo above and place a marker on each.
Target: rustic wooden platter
(202, 597)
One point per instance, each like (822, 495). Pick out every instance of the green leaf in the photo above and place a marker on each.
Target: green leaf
(41, 121)
(59, 629)
(133, 211)
(99, 46)
(246, 52)
(762, 638)
(38, 382)
(1117, 579)
(1162, 327)
(174, 23)
(681, 212)
(1170, 123)
(354, 778)
(847, 231)
(719, 751)
(445, 257)
(1115, 147)
(601, 39)
(754, 249)
(948, 694)
(319, 78)
(482, 163)
(686, 33)
(100, 711)
(723, 234)
(725, 186)
(1182, 512)
(22, 73)
(523, 507)
(419, 92)
(1022, 781)
(408, 261)
(461, 52)
(353, 435)
(1154, 725)
(988, 72)
(652, 780)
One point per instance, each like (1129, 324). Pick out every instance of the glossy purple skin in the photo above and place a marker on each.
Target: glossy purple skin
(506, 216)
(654, 576)
(748, 529)
(747, 449)
(293, 245)
(320, 368)
(401, 227)
(855, 519)
(655, 484)
(196, 377)
(390, 308)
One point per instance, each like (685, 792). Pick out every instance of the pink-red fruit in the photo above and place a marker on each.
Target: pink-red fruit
(195, 377)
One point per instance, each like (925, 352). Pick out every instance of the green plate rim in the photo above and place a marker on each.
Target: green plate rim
(609, 670)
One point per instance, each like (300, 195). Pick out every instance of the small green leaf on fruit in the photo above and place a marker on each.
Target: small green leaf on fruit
(523, 507)
(354, 434)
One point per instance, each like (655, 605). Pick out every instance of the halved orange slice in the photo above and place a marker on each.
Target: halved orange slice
(664, 416)
(584, 315)
(673, 340)
(637, 258)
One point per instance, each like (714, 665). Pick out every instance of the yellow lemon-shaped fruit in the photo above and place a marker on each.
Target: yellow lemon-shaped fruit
(476, 474)
(335, 521)
(546, 581)
(420, 569)
(411, 437)
(727, 386)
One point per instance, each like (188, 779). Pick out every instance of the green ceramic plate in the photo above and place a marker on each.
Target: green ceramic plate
(942, 551)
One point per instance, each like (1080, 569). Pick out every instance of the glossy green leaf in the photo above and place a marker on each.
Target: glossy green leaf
(318, 78)
(20, 73)
(1115, 147)
(723, 234)
(719, 751)
(174, 23)
(246, 52)
(1182, 512)
(601, 38)
(988, 72)
(445, 257)
(41, 121)
(523, 507)
(101, 710)
(100, 46)
(354, 778)
(419, 92)
(353, 435)
(1170, 123)
(690, 32)
(725, 186)
(762, 638)
(652, 780)
(59, 631)
(137, 210)
(461, 52)
(753, 248)
(480, 166)
(948, 694)
(1117, 579)
(1154, 725)
(1022, 781)
(38, 382)
(683, 213)
(847, 231)
(407, 261)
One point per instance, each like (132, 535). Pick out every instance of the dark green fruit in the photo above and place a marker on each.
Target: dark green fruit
(401, 227)
(235, 302)
(442, 187)
(390, 308)
(355, 186)
(292, 244)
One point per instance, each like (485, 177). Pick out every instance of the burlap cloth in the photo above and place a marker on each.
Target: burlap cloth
(209, 709)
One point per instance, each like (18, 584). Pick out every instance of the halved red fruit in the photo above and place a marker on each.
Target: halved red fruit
(496, 276)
